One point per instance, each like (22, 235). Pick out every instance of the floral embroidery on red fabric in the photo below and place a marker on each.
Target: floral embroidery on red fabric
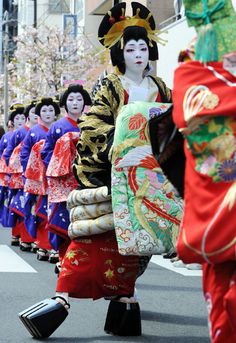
(137, 121)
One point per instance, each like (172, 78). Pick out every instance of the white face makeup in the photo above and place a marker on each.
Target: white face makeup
(33, 118)
(47, 114)
(19, 120)
(74, 103)
(136, 56)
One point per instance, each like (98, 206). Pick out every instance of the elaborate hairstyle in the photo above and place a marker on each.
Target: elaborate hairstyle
(32, 104)
(75, 88)
(47, 101)
(14, 110)
(116, 30)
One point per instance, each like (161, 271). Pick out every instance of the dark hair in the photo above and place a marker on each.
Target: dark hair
(14, 110)
(136, 33)
(47, 102)
(29, 107)
(2, 131)
(75, 88)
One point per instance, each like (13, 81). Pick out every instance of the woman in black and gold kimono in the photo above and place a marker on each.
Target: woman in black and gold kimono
(92, 266)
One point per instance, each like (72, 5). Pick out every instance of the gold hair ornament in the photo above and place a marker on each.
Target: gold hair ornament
(115, 33)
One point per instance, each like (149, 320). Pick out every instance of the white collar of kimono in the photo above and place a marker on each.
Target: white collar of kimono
(147, 83)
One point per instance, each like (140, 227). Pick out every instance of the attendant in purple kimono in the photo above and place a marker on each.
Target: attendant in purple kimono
(73, 100)
(4, 140)
(4, 177)
(47, 111)
(20, 133)
(12, 158)
(17, 118)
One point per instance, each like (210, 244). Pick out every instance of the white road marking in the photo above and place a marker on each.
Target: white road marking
(166, 263)
(11, 262)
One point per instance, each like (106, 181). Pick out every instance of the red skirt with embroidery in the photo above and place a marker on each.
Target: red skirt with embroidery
(93, 268)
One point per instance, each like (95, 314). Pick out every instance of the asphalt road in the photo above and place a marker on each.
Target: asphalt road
(172, 305)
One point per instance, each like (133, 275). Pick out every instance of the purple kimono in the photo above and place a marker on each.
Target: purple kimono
(35, 134)
(16, 138)
(59, 215)
(5, 194)
(16, 206)
(5, 141)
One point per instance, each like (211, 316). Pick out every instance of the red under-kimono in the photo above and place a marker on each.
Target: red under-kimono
(205, 112)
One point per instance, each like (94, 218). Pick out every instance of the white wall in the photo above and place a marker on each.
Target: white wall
(26, 14)
(178, 36)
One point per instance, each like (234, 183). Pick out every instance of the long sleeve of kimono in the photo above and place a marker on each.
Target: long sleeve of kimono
(5, 141)
(29, 141)
(13, 142)
(49, 146)
(92, 167)
(10, 147)
(2, 146)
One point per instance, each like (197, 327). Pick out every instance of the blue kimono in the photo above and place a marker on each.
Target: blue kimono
(35, 134)
(5, 194)
(17, 194)
(5, 141)
(16, 139)
(59, 216)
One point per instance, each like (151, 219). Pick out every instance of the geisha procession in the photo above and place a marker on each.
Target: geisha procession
(97, 182)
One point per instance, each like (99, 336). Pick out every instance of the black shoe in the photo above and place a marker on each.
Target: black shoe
(57, 268)
(15, 241)
(42, 254)
(53, 257)
(123, 319)
(25, 246)
(34, 248)
(170, 255)
(43, 318)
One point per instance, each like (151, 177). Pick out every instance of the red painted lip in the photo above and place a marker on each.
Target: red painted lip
(139, 62)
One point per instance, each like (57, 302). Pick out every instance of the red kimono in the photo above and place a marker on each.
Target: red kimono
(205, 112)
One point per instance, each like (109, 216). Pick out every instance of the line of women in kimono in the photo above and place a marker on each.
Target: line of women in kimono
(36, 172)
(124, 209)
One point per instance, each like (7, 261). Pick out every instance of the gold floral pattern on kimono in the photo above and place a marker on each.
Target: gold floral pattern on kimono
(213, 145)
